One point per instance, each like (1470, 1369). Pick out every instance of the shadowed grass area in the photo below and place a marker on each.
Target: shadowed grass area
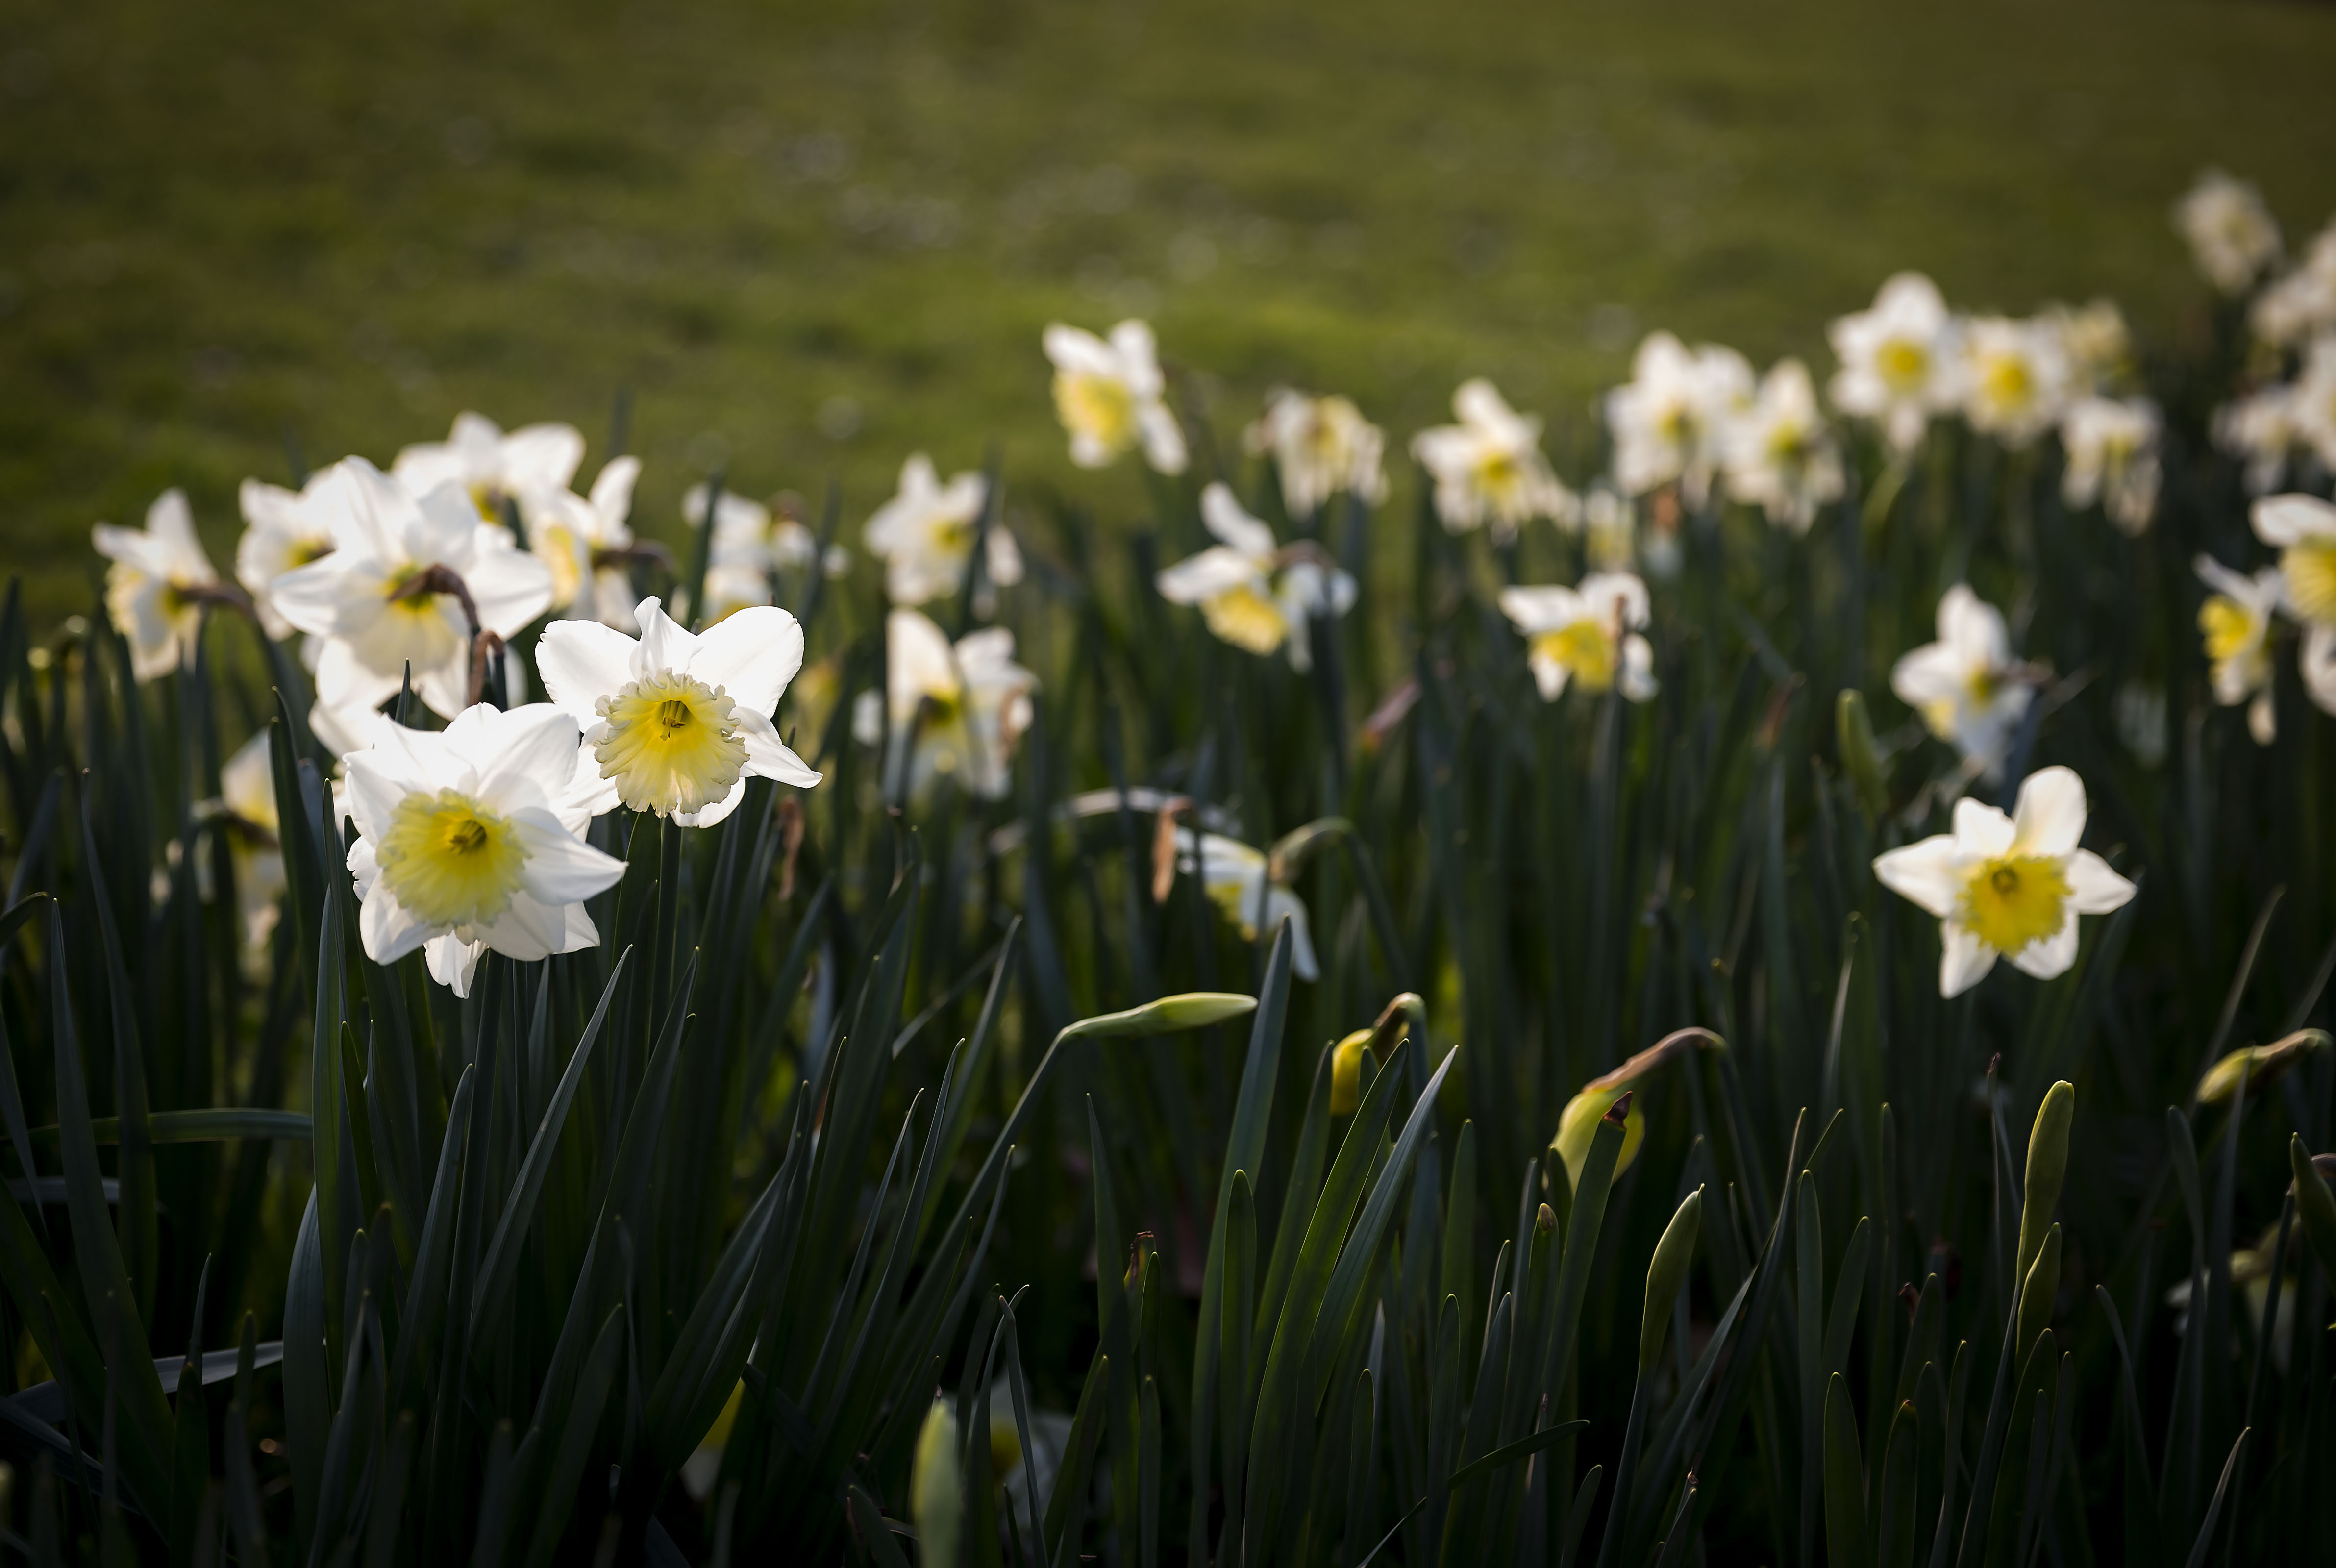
(220, 226)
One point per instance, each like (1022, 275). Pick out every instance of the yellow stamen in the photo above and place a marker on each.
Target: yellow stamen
(2229, 626)
(2007, 383)
(1902, 365)
(1499, 475)
(1584, 650)
(449, 859)
(1096, 405)
(2311, 570)
(1246, 618)
(2013, 901)
(673, 743)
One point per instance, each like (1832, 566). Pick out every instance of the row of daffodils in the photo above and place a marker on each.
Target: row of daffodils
(476, 835)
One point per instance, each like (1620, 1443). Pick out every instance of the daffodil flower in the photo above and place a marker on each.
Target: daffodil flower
(2014, 376)
(1110, 396)
(2095, 341)
(1896, 358)
(1670, 421)
(2007, 886)
(1967, 686)
(1320, 447)
(672, 722)
(284, 529)
(967, 706)
(1251, 592)
(2259, 430)
(587, 543)
(247, 804)
(2232, 235)
(2303, 304)
(410, 581)
(470, 838)
(2312, 401)
(1586, 635)
(924, 536)
(156, 586)
(2112, 458)
(749, 543)
(1489, 469)
(2236, 624)
(1577, 1123)
(2302, 527)
(1235, 878)
(1778, 454)
(491, 467)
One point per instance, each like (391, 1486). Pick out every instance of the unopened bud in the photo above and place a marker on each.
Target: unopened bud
(1346, 1073)
(935, 1489)
(1168, 1016)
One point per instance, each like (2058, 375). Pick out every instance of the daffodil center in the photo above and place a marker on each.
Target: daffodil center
(1246, 618)
(2311, 571)
(1498, 475)
(1584, 650)
(672, 743)
(2013, 901)
(314, 548)
(1100, 406)
(2007, 382)
(449, 859)
(1904, 365)
(2229, 626)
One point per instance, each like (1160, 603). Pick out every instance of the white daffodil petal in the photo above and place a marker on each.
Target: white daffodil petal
(2049, 818)
(579, 662)
(1930, 874)
(454, 961)
(1963, 959)
(1982, 829)
(562, 869)
(752, 655)
(2051, 957)
(770, 756)
(2093, 888)
(388, 929)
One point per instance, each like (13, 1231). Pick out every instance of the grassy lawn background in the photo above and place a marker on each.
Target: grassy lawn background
(226, 223)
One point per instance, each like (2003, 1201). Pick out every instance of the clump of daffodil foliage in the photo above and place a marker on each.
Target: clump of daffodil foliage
(1766, 1002)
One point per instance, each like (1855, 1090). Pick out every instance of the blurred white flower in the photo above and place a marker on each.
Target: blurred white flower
(1235, 878)
(967, 706)
(924, 536)
(673, 723)
(492, 467)
(2303, 529)
(1780, 454)
(1110, 396)
(1670, 420)
(1587, 635)
(1966, 686)
(2095, 342)
(1897, 359)
(157, 584)
(2007, 886)
(392, 593)
(749, 543)
(2311, 402)
(1253, 593)
(469, 839)
(1609, 525)
(2236, 623)
(2303, 303)
(2111, 446)
(247, 794)
(2259, 430)
(1489, 469)
(2014, 376)
(283, 530)
(1321, 447)
(2232, 235)
(586, 541)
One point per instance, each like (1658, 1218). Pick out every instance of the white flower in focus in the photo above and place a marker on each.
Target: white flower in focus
(2311, 402)
(1966, 686)
(2014, 376)
(2007, 886)
(469, 839)
(2303, 303)
(1780, 454)
(1234, 876)
(156, 585)
(2235, 622)
(583, 541)
(967, 706)
(674, 723)
(247, 794)
(1321, 447)
(2111, 445)
(1489, 469)
(2232, 235)
(1587, 635)
(1110, 396)
(283, 530)
(491, 467)
(380, 604)
(1252, 593)
(1896, 359)
(2303, 529)
(2259, 430)
(924, 536)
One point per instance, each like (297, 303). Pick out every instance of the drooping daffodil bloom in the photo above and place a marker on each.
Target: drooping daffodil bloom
(2303, 529)
(2014, 376)
(156, 585)
(1779, 455)
(408, 580)
(1586, 636)
(1251, 592)
(1111, 396)
(2230, 230)
(491, 467)
(2236, 624)
(966, 708)
(1896, 359)
(248, 799)
(1236, 877)
(2111, 445)
(1969, 689)
(471, 838)
(283, 530)
(1320, 447)
(2008, 887)
(673, 723)
(586, 542)
(1578, 1122)
(1488, 468)
(924, 536)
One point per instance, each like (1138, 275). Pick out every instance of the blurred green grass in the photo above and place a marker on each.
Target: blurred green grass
(225, 224)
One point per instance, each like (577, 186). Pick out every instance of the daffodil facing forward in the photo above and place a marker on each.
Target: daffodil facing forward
(2014, 376)
(2232, 235)
(1488, 469)
(1110, 395)
(1238, 880)
(966, 706)
(491, 467)
(925, 536)
(1320, 447)
(156, 586)
(470, 838)
(586, 542)
(1669, 421)
(1967, 686)
(674, 723)
(1253, 593)
(2235, 622)
(1586, 636)
(2112, 458)
(283, 530)
(2008, 887)
(1778, 454)
(1896, 359)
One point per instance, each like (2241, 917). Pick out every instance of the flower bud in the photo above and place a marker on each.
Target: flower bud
(935, 1489)
(2259, 1064)
(1346, 1072)
(1168, 1016)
